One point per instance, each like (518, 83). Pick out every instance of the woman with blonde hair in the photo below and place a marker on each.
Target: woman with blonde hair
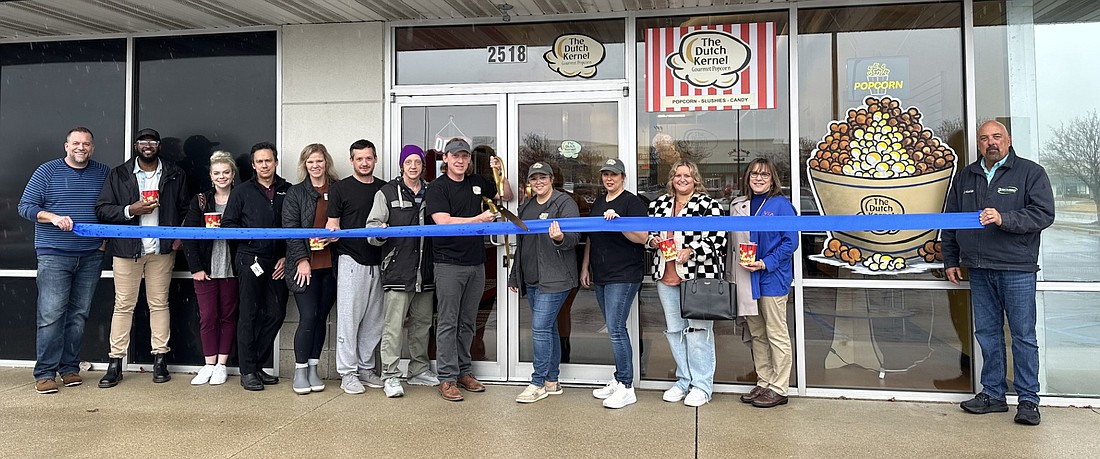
(313, 281)
(211, 264)
(764, 282)
(680, 256)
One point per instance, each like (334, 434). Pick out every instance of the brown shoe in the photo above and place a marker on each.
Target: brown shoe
(470, 383)
(755, 392)
(449, 391)
(72, 379)
(45, 386)
(769, 399)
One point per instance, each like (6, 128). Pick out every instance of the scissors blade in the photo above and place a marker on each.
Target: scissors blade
(508, 215)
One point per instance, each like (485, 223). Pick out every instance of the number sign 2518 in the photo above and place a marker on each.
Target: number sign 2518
(507, 54)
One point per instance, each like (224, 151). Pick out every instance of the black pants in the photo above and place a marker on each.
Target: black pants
(314, 304)
(262, 311)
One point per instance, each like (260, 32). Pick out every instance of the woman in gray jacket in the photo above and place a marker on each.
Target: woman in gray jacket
(545, 266)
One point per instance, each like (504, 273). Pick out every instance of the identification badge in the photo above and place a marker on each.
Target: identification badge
(325, 196)
(544, 216)
(256, 269)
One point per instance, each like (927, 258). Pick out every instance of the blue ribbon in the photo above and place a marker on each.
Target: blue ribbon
(958, 220)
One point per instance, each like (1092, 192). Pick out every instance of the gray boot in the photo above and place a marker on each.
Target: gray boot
(301, 381)
(315, 382)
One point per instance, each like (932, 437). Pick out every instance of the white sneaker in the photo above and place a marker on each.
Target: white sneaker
(393, 388)
(351, 385)
(606, 391)
(219, 376)
(696, 397)
(622, 397)
(204, 375)
(673, 395)
(427, 378)
(371, 380)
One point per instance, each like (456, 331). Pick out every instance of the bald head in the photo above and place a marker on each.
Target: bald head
(993, 142)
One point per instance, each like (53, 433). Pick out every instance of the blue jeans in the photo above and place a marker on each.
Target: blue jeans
(65, 289)
(996, 294)
(615, 302)
(690, 342)
(544, 332)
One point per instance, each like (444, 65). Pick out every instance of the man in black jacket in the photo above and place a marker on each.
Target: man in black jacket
(406, 274)
(260, 265)
(145, 191)
(1016, 203)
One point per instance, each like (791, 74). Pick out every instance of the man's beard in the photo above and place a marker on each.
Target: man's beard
(149, 160)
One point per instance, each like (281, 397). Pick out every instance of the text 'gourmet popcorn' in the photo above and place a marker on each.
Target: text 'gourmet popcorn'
(881, 140)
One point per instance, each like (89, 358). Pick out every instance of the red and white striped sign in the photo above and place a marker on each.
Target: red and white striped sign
(717, 67)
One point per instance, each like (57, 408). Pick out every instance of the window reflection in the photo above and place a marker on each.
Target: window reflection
(888, 338)
(47, 89)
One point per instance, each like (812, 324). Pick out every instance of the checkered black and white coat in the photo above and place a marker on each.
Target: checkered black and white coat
(708, 247)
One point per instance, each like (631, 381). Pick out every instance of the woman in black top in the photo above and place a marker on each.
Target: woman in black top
(613, 266)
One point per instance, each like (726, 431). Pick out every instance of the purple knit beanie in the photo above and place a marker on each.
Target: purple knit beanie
(409, 150)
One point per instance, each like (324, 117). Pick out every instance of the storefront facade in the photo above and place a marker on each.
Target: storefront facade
(567, 89)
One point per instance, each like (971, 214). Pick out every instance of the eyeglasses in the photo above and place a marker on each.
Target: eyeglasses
(764, 175)
(148, 143)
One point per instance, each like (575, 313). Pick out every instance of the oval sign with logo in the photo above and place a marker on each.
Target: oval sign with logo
(881, 205)
(575, 55)
(570, 149)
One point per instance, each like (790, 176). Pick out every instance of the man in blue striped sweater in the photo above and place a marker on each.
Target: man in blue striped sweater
(62, 192)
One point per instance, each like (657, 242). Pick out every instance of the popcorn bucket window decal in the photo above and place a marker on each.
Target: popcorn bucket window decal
(881, 159)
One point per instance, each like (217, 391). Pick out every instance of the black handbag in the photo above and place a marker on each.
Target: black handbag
(708, 299)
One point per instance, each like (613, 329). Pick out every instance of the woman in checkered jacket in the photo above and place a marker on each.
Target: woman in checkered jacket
(683, 255)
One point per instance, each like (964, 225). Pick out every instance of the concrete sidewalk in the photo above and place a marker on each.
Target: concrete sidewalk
(142, 419)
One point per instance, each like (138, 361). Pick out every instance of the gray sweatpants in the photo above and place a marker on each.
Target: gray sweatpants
(458, 291)
(359, 309)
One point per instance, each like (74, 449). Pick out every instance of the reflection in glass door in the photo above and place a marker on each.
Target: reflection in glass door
(575, 135)
(429, 122)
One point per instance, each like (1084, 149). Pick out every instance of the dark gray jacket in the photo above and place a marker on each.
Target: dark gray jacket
(1021, 192)
(557, 260)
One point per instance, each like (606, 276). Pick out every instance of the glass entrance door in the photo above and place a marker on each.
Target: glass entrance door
(429, 122)
(575, 133)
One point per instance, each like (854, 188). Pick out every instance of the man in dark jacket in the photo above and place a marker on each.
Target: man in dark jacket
(1016, 203)
(260, 265)
(147, 191)
(407, 280)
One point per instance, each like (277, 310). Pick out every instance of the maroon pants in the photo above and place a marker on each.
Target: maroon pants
(217, 314)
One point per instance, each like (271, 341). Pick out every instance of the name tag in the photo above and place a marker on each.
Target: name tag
(324, 196)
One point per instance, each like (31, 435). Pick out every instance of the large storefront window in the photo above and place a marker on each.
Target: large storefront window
(722, 143)
(203, 93)
(1031, 76)
(45, 90)
(880, 130)
(504, 53)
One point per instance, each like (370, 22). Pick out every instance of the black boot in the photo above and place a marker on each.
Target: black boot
(114, 374)
(267, 379)
(249, 381)
(160, 369)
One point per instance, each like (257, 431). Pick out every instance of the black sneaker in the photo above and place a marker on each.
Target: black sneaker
(1027, 413)
(983, 403)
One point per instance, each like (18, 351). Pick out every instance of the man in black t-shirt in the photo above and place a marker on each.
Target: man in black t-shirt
(359, 277)
(453, 198)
